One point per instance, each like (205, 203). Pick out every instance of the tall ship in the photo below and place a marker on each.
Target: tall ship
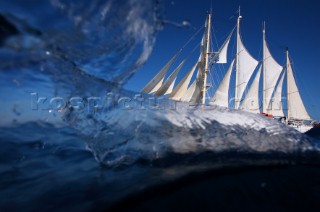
(248, 73)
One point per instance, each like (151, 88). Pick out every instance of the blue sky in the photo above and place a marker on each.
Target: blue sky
(289, 23)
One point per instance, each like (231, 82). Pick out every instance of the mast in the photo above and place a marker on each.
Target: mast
(237, 62)
(288, 84)
(264, 100)
(206, 60)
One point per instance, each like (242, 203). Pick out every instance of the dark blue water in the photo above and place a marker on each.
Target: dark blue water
(72, 141)
(45, 168)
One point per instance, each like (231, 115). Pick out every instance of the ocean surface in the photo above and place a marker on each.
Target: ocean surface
(72, 139)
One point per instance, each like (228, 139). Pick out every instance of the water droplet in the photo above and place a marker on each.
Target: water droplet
(16, 110)
(16, 82)
(263, 184)
(186, 23)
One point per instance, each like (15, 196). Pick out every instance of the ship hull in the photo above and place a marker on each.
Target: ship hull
(302, 128)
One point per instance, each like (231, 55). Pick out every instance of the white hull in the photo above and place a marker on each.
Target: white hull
(302, 128)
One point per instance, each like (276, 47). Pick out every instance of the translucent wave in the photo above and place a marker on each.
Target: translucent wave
(127, 134)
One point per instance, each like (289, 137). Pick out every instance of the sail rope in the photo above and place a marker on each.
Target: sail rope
(218, 76)
(210, 74)
(217, 71)
(192, 37)
(187, 43)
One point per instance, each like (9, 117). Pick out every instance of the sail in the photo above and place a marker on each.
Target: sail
(181, 89)
(296, 108)
(251, 101)
(221, 95)
(191, 90)
(222, 56)
(245, 66)
(156, 82)
(275, 107)
(170, 89)
(271, 74)
(193, 93)
(167, 86)
(196, 96)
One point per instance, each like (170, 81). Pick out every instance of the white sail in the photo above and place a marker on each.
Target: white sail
(196, 96)
(271, 73)
(221, 95)
(251, 101)
(245, 66)
(167, 86)
(296, 108)
(222, 55)
(156, 82)
(191, 90)
(170, 89)
(181, 89)
(275, 107)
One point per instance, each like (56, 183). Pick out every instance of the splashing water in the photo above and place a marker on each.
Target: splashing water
(131, 134)
(52, 47)
(106, 39)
